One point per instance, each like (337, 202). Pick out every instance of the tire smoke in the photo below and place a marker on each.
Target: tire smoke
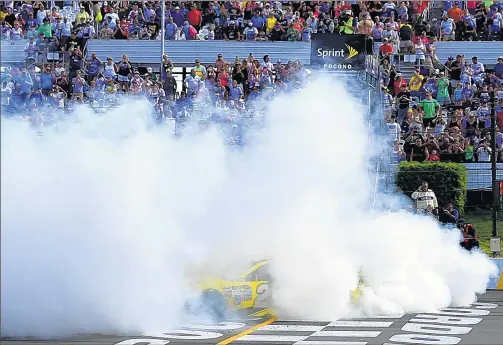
(101, 217)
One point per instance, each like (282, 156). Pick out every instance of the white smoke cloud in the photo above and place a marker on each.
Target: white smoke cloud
(101, 219)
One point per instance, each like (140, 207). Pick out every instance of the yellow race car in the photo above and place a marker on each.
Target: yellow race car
(249, 293)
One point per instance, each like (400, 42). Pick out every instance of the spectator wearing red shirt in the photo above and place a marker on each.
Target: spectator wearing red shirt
(423, 38)
(195, 18)
(455, 13)
(386, 49)
(398, 83)
(471, 5)
(346, 5)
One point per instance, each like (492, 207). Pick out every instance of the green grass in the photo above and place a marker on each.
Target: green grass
(483, 226)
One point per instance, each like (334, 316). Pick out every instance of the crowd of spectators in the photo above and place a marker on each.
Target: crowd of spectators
(458, 87)
(224, 92)
(445, 115)
(397, 21)
(442, 113)
(202, 20)
(67, 25)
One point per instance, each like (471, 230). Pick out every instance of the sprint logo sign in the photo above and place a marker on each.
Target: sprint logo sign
(333, 52)
(352, 52)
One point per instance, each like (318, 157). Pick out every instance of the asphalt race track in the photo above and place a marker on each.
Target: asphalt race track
(478, 324)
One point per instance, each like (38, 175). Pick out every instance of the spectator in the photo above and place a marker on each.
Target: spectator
(424, 198)
(250, 33)
(394, 129)
(178, 16)
(5, 94)
(110, 69)
(31, 49)
(449, 214)
(231, 33)
(386, 49)
(45, 28)
(199, 70)
(76, 62)
(171, 30)
(192, 83)
(443, 95)
(498, 69)
(404, 99)
(484, 151)
(447, 29)
(236, 91)
(94, 65)
(78, 84)
(470, 239)
(125, 69)
(455, 13)
(419, 151)
(73, 43)
(82, 16)
(194, 17)
(431, 110)
(189, 31)
(405, 35)
(66, 28)
(47, 80)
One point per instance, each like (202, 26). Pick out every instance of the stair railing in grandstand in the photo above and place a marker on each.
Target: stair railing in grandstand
(398, 60)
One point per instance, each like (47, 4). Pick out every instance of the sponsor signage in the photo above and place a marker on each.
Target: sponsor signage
(496, 283)
(333, 52)
(498, 194)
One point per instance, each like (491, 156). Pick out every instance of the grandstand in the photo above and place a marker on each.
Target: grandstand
(249, 31)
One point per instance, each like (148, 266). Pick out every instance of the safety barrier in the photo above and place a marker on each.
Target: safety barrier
(491, 50)
(496, 283)
(186, 52)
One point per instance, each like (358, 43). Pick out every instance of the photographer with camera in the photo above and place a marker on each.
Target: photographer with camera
(58, 97)
(448, 214)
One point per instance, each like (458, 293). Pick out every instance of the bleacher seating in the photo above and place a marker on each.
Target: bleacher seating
(13, 51)
(487, 52)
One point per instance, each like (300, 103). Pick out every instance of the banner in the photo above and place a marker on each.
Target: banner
(334, 52)
(496, 283)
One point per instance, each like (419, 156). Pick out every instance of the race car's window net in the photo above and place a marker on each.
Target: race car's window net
(260, 274)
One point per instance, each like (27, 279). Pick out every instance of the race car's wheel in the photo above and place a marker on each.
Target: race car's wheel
(214, 305)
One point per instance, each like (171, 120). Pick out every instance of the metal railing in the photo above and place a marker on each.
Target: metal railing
(399, 60)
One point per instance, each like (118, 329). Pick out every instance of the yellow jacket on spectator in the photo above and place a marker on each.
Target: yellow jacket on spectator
(3, 14)
(271, 21)
(402, 25)
(81, 15)
(347, 27)
(415, 82)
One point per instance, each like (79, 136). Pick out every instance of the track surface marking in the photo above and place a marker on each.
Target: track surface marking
(478, 324)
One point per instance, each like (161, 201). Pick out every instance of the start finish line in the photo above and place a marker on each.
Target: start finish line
(449, 326)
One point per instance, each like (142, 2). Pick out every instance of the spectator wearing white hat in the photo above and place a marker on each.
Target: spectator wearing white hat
(250, 33)
(231, 32)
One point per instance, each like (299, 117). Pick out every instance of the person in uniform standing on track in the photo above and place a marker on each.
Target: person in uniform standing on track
(424, 198)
